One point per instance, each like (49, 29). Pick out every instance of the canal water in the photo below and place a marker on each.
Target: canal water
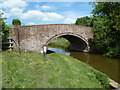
(103, 64)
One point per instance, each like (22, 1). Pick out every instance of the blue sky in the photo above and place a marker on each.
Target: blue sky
(34, 13)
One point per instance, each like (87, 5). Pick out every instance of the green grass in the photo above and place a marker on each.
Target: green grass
(29, 70)
(60, 42)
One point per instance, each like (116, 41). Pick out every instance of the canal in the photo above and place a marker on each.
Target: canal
(103, 64)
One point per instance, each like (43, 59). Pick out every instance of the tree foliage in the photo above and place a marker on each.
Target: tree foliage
(107, 28)
(85, 21)
(4, 30)
(4, 33)
(16, 22)
(106, 25)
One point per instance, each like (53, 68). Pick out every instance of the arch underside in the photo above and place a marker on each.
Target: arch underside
(77, 42)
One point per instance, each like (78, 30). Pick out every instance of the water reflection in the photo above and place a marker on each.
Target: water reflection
(59, 51)
(103, 64)
(99, 62)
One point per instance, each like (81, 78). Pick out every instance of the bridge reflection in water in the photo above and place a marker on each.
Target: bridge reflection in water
(106, 65)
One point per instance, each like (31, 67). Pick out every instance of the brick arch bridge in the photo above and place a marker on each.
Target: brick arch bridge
(34, 37)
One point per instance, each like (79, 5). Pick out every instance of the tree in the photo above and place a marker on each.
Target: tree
(107, 28)
(106, 25)
(16, 22)
(4, 33)
(85, 21)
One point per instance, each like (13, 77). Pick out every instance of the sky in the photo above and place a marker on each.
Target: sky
(35, 13)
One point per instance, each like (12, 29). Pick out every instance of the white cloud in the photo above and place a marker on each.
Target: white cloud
(69, 20)
(16, 11)
(51, 16)
(13, 4)
(12, 12)
(5, 14)
(44, 7)
(44, 16)
(13, 7)
(33, 14)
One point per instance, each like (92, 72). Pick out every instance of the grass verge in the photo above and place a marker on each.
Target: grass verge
(29, 70)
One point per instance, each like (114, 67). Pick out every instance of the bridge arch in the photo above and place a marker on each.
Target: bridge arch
(77, 42)
(34, 37)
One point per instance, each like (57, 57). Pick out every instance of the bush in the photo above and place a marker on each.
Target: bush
(113, 52)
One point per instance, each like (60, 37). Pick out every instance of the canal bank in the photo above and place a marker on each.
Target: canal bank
(105, 65)
(30, 70)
